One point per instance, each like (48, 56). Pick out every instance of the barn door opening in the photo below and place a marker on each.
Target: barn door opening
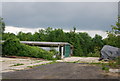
(66, 50)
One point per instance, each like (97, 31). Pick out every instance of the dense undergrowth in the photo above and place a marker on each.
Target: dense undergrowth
(13, 47)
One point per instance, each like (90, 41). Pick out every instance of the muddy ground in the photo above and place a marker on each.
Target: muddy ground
(61, 71)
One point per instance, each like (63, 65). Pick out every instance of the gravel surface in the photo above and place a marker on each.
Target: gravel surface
(81, 59)
(13, 64)
(60, 71)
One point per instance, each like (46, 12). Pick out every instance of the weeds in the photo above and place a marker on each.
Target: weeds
(18, 64)
(73, 62)
(37, 61)
(30, 66)
(115, 63)
(54, 61)
(105, 68)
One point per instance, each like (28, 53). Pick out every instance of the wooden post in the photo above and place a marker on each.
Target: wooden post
(62, 52)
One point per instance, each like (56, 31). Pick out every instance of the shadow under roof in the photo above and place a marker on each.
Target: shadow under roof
(45, 43)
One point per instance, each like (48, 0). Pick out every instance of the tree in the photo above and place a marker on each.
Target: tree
(42, 35)
(36, 36)
(113, 37)
(85, 42)
(78, 51)
(48, 30)
(56, 35)
(74, 29)
(47, 33)
(116, 29)
(2, 25)
(74, 39)
(5, 36)
(112, 40)
(29, 36)
(97, 41)
(22, 36)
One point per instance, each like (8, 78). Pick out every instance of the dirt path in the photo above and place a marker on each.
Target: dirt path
(60, 71)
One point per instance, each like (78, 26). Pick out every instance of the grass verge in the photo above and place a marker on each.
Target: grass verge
(43, 64)
(18, 64)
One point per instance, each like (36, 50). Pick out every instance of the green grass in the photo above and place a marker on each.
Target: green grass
(30, 66)
(37, 61)
(54, 61)
(2, 61)
(73, 62)
(104, 66)
(18, 64)
(115, 64)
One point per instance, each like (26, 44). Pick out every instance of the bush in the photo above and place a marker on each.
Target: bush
(13, 47)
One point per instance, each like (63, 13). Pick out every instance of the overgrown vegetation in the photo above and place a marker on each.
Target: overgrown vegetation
(43, 64)
(114, 64)
(12, 46)
(18, 64)
(84, 45)
(2, 26)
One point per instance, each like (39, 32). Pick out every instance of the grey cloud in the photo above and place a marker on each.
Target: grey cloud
(0, 9)
(88, 15)
(119, 8)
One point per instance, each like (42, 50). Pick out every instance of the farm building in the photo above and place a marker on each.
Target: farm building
(64, 49)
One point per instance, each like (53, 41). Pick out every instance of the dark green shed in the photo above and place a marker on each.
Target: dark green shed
(65, 49)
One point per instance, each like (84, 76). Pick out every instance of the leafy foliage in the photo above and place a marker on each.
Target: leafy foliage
(116, 29)
(2, 25)
(96, 52)
(12, 46)
(113, 37)
(82, 42)
(8, 35)
(115, 64)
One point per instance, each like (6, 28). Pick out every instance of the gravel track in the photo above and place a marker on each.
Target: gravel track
(60, 71)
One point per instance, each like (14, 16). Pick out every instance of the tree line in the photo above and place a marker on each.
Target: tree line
(84, 45)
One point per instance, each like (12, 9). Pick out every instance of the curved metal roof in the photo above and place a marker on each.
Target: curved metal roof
(44, 43)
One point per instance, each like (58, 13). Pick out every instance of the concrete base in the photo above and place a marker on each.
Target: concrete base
(114, 70)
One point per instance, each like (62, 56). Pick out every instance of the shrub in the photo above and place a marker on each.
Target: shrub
(14, 47)
(11, 46)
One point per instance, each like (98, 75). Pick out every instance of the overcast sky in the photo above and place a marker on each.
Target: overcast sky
(93, 16)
